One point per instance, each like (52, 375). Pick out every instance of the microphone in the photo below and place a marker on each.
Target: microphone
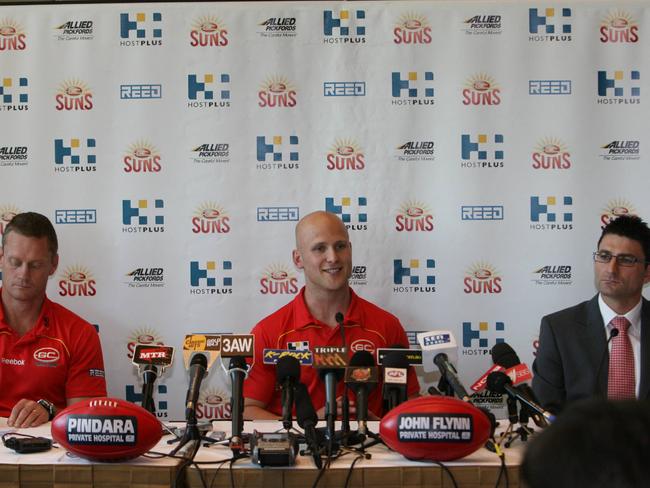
(450, 374)
(288, 374)
(307, 420)
(237, 370)
(395, 375)
(149, 375)
(198, 367)
(613, 333)
(501, 383)
(149, 358)
(361, 377)
(345, 405)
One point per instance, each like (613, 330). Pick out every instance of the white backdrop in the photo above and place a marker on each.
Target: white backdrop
(475, 147)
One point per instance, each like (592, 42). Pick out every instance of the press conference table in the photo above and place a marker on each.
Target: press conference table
(386, 469)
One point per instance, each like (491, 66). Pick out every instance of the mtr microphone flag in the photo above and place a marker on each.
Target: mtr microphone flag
(433, 343)
(155, 355)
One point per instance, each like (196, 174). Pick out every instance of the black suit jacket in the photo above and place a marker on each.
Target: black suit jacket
(572, 360)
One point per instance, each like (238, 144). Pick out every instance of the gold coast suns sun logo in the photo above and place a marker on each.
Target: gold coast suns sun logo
(143, 335)
(619, 27)
(7, 213)
(278, 279)
(412, 28)
(481, 89)
(345, 154)
(142, 157)
(210, 218)
(77, 281)
(73, 95)
(482, 278)
(213, 404)
(208, 31)
(614, 209)
(277, 91)
(414, 216)
(12, 36)
(551, 153)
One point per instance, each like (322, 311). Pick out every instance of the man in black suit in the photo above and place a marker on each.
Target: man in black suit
(573, 359)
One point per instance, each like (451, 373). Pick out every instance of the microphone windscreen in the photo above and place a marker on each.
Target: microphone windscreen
(339, 317)
(613, 333)
(287, 367)
(504, 355)
(305, 411)
(199, 360)
(362, 358)
(237, 362)
(497, 382)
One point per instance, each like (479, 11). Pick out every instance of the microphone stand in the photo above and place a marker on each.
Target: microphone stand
(345, 406)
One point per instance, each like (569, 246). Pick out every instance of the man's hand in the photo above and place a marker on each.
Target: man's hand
(339, 409)
(27, 413)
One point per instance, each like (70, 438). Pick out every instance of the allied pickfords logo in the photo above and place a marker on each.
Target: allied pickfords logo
(208, 31)
(413, 216)
(482, 278)
(412, 28)
(617, 150)
(359, 275)
(13, 156)
(7, 212)
(14, 94)
(12, 36)
(211, 153)
(143, 216)
(77, 281)
(211, 277)
(345, 154)
(551, 213)
(210, 218)
(482, 151)
(619, 87)
(551, 153)
(277, 91)
(141, 29)
(277, 152)
(481, 89)
(478, 341)
(549, 24)
(412, 88)
(414, 275)
(213, 404)
(346, 26)
(75, 155)
(145, 278)
(352, 211)
(74, 30)
(208, 90)
(549, 87)
(416, 150)
(143, 335)
(482, 24)
(614, 209)
(141, 157)
(278, 27)
(278, 279)
(553, 274)
(619, 27)
(73, 95)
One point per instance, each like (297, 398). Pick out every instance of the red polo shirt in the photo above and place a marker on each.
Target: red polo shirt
(366, 327)
(59, 358)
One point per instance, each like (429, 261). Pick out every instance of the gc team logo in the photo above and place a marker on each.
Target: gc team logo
(145, 28)
(13, 156)
(551, 153)
(482, 278)
(614, 209)
(144, 335)
(7, 212)
(412, 28)
(479, 154)
(211, 278)
(549, 24)
(74, 156)
(77, 281)
(416, 151)
(352, 211)
(12, 36)
(407, 90)
(481, 89)
(614, 90)
(414, 275)
(486, 336)
(483, 25)
(73, 95)
(47, 356)
(617, 150)
(345, 154)
(280, 149)
(346, 26)
(210, 153)
(205, 90)
(208, 31)
(210, 218)
(13, 94)
(618, 27)
(278, 279)
(556, 215)
(277, 91)
(553, 275)
(213, 404)
(278, 27)
(139, 216)
(413, 217)
(141, 157)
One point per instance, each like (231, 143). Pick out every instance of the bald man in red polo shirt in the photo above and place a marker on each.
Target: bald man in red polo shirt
(324, 253)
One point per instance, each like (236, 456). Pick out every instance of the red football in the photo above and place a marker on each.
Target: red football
(106, 429)
(437, 428)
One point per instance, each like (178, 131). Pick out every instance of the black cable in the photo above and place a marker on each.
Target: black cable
(321, 471)
(446, 470)
(196, 466)
(503, 472)
(221, 465)
(349, 476)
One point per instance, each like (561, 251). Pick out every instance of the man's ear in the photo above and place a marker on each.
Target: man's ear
(55, 264)
(297, 259)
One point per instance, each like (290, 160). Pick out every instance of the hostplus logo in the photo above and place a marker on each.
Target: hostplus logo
(13, 156)
(359, 275)
(618, 150)
(278, 27)
(352, 211)
(160, 396)
(553, 275)
(345, 154)
(347, 26)
(211, 277)
(278, 279)
(12, 36)
(144, 335)
(614, 209)
(413, 216)
(7, 212)
(412, 28)
(619, 27)
(208, 31)
(482, 279)
(143, 216)
(211, 153)
(73, 95)
(481, 151)
(277, 152)
(483, 24)
(416, 150)
(481, 89)
(277, 91)
(210, 218)
(77, 281)
(619, 87)
(204, 92)
(213, 404)
(75, 30)
(549, 24)
(551, 213)
(146, 278)
(14, 95)
(551, 153)
(75, 155)
(414, 275)
(141, 29)
(412, 88)
(141, 157)
(478, 342)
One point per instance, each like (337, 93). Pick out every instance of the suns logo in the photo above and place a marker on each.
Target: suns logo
(481, 277)
(142, 157)
(414, 217)
(210, 218)
(74, 95)
(551, 153)
(412, 28)
(278, 279)
(7, 213)
(619, 26)
(77, 281)
(213, 404)
(208, 31)
(345, 154)
(614, 209)
(481, 89)
(144, 335)
(12, 37)
(277, 91)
